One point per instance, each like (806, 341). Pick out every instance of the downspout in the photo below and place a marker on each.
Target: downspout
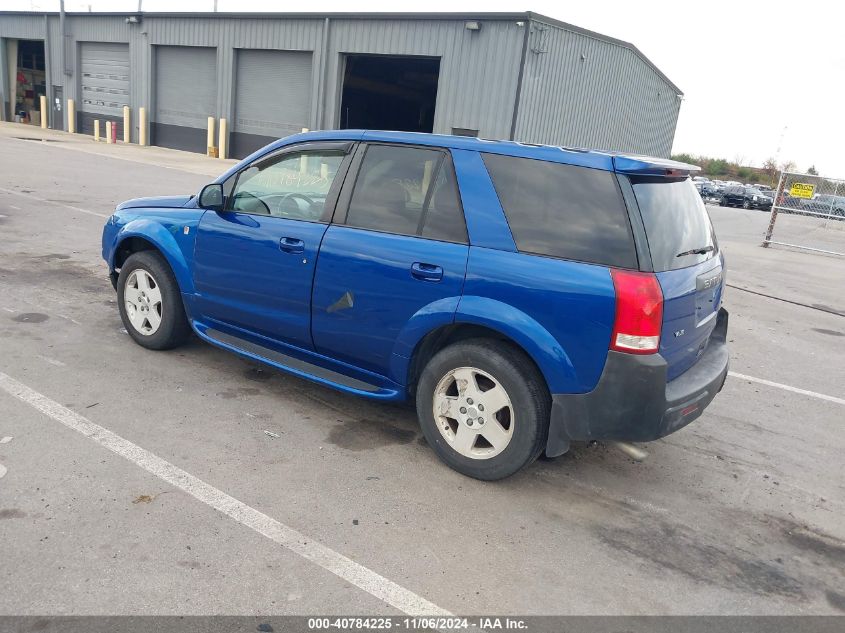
(4, 82)
(63, 35)
(324, 65)
(63, 57)
(521, 73)
(48, 73)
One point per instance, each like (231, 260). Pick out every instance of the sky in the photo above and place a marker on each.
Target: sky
(760, 79)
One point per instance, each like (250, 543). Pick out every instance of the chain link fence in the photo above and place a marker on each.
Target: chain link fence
(808, 213)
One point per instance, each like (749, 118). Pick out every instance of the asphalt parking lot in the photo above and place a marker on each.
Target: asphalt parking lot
(740, 513)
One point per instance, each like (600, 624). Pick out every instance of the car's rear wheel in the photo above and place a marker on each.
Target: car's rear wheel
(723, 202)
(150, 302)
(484, 408)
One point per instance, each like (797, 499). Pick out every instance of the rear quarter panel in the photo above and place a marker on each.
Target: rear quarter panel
(561, 312)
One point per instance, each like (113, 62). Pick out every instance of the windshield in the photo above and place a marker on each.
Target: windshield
(676, 222)
(751, 191)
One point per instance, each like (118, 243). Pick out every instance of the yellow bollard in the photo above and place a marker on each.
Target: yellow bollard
(108, 131)
(211, 149)
(142, 126)
(43, 104)
(223, 143)
(71, 116)
(97, 130)
(126, 123)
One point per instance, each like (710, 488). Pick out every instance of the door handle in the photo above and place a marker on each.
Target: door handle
(426, 272)
(292, 245)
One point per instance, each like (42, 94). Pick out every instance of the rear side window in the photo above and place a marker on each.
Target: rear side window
(408, 191)
(676, 223)
(563, 210)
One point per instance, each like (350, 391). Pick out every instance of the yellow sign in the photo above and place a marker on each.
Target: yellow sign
(802, 190)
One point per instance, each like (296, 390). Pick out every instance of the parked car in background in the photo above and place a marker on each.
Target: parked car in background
(709, 191)
(705, 188)
(827, 204)
(745, 197)
(435, 269)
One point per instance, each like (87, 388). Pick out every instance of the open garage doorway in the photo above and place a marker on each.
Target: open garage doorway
(27, 79)
(387, 92)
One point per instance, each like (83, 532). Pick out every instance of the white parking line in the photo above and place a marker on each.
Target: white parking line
(52, 361)
(354, 573)
(778, 385)
(58, 204)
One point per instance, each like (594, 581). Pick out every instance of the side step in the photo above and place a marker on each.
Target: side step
(274, 357)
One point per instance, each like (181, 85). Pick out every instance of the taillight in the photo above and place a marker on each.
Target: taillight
(639, 312)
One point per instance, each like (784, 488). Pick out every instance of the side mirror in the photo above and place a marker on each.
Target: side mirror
(211, 197)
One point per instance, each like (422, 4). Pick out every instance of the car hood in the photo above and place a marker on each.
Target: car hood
(156, 202)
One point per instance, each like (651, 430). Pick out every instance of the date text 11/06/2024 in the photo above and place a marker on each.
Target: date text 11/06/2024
(416, 623)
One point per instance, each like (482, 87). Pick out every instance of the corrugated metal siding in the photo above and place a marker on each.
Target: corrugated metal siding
(478, 69)
(25, 27)
(612, 100)
(581, 91)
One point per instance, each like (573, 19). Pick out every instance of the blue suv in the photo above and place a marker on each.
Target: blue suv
(522, 296)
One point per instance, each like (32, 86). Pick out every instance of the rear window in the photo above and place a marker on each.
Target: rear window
(563, 210)
(675, 221)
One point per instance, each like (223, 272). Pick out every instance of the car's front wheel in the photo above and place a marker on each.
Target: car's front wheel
(484, 408)
(150, 302)
(746, 204)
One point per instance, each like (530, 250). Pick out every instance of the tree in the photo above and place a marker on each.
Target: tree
(770, 166)
(717, 167)
(811, 170)
(685, 158)
(788, 166)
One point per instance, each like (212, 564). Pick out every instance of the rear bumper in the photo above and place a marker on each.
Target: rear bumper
(633, 401)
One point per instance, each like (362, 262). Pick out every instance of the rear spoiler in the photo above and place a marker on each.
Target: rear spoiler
(648, 166)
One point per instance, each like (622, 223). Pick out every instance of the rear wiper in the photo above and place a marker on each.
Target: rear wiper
(697, 251)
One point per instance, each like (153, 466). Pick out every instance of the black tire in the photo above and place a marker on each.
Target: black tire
(526, 388)
(174, 329)
(723, 202)
(746, 204)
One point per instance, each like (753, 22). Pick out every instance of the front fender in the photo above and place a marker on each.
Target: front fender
(165, 239)
(538, 343)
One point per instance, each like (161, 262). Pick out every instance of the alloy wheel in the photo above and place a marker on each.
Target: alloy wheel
(142, 299)
(473, 413)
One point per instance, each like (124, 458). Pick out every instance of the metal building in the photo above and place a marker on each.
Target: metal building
(520, 76)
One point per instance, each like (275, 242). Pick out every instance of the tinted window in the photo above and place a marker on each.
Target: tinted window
(289, 186)
(675, 222)
(408, 191)
(444, 219)
(563, 210)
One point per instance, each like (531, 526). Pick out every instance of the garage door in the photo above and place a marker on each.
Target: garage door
(185, 96)
(272, 97)
(104, 85)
